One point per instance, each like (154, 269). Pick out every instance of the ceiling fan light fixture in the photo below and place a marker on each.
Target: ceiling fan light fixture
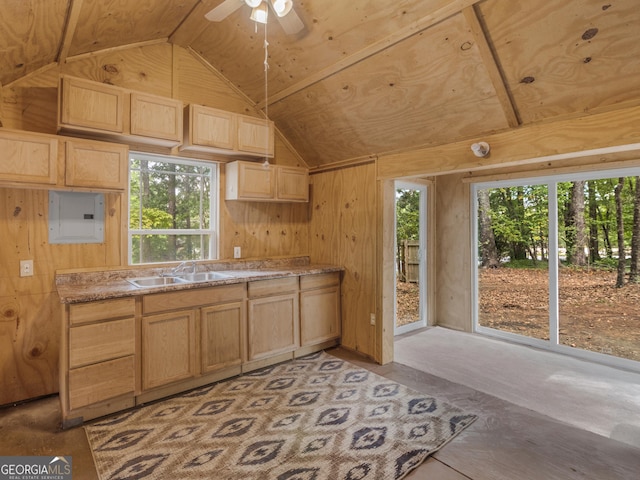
(260, 13)
(282, 7)
(253, 3)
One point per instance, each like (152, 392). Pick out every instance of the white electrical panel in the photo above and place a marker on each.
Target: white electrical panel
(76, 217)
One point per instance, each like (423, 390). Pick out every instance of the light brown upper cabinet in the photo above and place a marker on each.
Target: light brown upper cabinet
(28, 158)
(266, 183)
(250, 181)
(97, 110)
(156, 117)
(96, 165)
(90, 106)
(208, 129)
(255, 136)
(36, 160)
(292, 184)
(212, 130)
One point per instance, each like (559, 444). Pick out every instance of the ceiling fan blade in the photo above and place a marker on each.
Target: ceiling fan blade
(291, 22)
(223, 10)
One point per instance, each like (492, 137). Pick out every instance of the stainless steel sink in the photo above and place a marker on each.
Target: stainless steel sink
(203, 276)
(155, 281)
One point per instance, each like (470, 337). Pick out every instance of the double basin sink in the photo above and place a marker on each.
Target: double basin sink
(161, 281)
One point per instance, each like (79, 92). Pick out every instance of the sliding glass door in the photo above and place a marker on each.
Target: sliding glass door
(557, 263)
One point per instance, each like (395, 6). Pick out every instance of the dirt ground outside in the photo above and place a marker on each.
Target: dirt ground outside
(594, 314)
(407, 303)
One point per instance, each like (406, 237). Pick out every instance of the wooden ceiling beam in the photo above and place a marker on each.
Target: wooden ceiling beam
(129, 46)
(70, 29)
(491, 64)
(452, 8)
(610, 131)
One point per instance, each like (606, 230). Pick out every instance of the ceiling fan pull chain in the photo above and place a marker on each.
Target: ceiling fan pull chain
(266, 90)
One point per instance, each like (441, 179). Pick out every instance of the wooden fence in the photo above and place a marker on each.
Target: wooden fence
(408, 261)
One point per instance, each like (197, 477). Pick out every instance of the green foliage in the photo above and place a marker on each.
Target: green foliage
(526, 264)
(407, 215)
(519, 219)
(166, 195)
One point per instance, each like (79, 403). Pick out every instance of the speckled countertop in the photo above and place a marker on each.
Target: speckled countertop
(86, 286)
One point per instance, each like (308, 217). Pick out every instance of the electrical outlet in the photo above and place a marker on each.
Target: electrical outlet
(26, 268)
(237, 252)
(372, 319)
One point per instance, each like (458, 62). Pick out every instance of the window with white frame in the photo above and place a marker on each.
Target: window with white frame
(173, 210)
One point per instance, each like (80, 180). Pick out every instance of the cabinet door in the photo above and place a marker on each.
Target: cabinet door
(156, 117)
(293, 184)
(28, 158)
(319, 315)
(222, 333)
(250, 181)
(210, 127)
(273, 325)
(96, 165)
(91, 105)
(168, 348)
(255, 136)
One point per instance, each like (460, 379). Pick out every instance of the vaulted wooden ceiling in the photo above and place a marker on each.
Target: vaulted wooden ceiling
(366, 77)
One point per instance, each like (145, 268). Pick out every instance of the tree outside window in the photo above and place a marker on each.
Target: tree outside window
(172, 209)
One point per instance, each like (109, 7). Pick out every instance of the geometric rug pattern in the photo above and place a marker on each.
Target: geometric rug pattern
(313, 418)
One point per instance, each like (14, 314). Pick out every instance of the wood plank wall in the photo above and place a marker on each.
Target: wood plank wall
(453, 251)
(343, 232)
(29, 308)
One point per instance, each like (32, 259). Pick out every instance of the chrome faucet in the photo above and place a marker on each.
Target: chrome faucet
(183, 268)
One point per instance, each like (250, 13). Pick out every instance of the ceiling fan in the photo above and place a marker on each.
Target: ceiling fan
(288, 18)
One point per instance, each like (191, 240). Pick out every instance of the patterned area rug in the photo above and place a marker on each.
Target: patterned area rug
(317, 417)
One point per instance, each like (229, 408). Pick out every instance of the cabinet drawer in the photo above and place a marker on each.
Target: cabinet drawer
(161, 302)
(275, 286)
(96, 383)
(101, 341)
(80, 313)
(308, 282)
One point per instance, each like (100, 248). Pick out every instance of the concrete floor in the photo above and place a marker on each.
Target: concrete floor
(507, 441)
(589, 396)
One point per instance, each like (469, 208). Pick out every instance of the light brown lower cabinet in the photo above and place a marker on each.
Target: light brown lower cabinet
(222, 333)
(273, 317)
(97, 359)
(121, 352)
(168, 348)
(319, 308)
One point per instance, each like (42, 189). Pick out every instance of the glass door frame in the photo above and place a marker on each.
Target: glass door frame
(553, 343)
(422, 255)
